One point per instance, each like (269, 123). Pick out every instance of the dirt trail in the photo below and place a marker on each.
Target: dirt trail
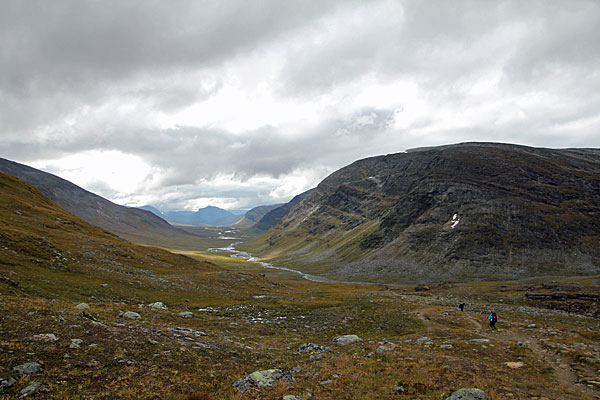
(564, 374)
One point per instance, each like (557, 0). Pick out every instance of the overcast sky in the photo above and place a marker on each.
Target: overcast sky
(182, 104)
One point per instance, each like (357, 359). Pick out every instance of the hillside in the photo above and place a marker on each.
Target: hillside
(460, 212)
(274, 216)
(45, 250)
(88, 315)
(254, 215)
(134, 224)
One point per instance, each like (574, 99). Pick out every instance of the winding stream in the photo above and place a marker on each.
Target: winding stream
(249, 257)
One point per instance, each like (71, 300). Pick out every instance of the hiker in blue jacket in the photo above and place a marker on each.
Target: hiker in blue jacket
(493, 318)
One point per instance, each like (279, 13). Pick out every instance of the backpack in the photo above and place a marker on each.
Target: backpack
(494, 317)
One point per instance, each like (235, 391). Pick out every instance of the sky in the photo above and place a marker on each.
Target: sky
(236, 103)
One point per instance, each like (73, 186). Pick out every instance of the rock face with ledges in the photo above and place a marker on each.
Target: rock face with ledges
(460, 212)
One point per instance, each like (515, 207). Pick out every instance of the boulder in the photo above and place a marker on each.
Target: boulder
(263, 378)
(131, 315)
(186, 314)
(346, 339)
(313, 348)
(5, 383)
(28, 368)
(82, 306)
(468, 394)
(31, 388)
(514, 365)
(386, 348)
(158, 306)
(292, 397)
(45, 337)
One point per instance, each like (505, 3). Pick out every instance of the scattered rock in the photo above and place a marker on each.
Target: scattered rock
(186, 314)
(514, 365)
(532, 326)
(480, 340)
(423, 339)
(158, 306)
(31, 388)
(292, 397)
(313, 348)
(399, 388)
(325, 383)
(590, 360)
(316, 356)
(131, 315)
(28, 368)
(385, 348)
(468, 394)
(187, 331)
(522, 344)
(263, 378)
(82, 306)
(346, 339)
(45, 337)
(105, 285)
(446, 346)
(5, 383)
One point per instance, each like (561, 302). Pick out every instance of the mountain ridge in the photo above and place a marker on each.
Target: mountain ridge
(458, 212)
(131, 223)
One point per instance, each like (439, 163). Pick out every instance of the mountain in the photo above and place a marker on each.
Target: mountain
(48, 251)
(130, 223)
(274, 216)
(204, 216)
(458, 212)
(252, 216)
(153, 210)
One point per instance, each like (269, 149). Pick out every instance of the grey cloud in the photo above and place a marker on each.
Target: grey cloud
(64, 54)
(446, 46)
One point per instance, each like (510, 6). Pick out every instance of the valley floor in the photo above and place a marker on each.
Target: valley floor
(415, 344)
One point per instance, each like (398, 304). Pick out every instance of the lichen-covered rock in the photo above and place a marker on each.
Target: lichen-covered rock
(263, 378)
(82, 306)
(346, 339)
(28, 368)
(385, 348)
(313, 348)
(158, 306)
(45, 337)
(468, 394)
(131, 315)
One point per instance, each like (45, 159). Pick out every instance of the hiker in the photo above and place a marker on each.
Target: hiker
(462, 307)
(493, 318)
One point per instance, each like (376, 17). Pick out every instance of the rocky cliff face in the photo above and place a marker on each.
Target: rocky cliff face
(467, 211)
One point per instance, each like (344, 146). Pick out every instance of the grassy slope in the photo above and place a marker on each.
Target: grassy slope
(257, 323)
